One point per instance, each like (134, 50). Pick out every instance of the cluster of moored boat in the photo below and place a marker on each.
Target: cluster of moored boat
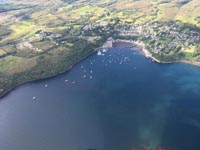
(110, 60)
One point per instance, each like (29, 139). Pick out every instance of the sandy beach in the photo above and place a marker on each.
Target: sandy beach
(147, 54)
(140, 46)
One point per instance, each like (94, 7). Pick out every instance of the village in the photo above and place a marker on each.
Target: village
(166, 40)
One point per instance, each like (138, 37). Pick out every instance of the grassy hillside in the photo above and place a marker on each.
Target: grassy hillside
(41, 38)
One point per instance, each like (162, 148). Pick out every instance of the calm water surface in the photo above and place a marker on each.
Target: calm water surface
(119, 101)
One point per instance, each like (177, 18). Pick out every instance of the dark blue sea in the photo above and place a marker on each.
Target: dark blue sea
(118, 100)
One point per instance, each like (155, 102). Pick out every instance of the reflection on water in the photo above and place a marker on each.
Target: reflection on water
(116, 100)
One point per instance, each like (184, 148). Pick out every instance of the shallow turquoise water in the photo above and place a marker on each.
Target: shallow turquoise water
(119, 101)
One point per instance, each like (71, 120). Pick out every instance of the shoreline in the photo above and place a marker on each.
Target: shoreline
(147, 54)
(51, 76)
(107, 45)
(141, 47)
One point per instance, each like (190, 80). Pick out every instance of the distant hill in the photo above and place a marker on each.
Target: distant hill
(184, 10)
